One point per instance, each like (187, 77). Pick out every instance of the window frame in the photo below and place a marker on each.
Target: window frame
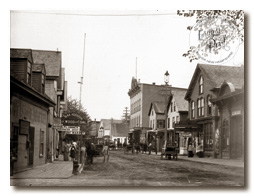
(201, 85)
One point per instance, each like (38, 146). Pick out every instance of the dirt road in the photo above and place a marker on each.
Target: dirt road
(149, 170)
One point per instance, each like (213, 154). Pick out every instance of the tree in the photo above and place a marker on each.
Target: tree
(234, 31)
(74, 108)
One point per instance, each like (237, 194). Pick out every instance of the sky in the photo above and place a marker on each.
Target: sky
(115, 46)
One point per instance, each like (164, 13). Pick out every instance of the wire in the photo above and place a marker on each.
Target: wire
(75, 14)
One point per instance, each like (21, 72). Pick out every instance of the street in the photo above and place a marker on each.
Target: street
(145, 170)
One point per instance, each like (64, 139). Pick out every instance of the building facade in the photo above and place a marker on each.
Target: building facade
(177, 111)
(230, 132)
(204, 86)
(38, 97)
(29, 106)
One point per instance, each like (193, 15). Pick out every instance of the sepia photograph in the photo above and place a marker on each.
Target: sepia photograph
(117, 98)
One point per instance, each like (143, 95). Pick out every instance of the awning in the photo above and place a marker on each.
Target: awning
(187, 126)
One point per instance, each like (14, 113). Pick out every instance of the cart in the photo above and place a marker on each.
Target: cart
(168, 151)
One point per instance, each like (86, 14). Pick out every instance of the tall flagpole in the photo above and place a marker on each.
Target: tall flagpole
(81, 83)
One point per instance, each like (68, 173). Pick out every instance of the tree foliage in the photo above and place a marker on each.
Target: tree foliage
(236, 17)
(73, 107)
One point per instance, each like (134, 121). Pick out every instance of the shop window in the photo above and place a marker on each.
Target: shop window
(208, 134)
(225, 135)
(201, 85)
(41, 153)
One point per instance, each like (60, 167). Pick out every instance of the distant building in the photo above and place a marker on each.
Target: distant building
(113, 129)
(141, 97)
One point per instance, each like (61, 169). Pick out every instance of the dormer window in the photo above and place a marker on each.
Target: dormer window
(28, 77)
(201, 85)
(38, 77)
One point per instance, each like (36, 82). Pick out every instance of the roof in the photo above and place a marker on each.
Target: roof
(120, 129)
(216, 75)
(108, 122)
(51, 59)
(181, 103)
(21, 53)
(159, 107)
(38, 67)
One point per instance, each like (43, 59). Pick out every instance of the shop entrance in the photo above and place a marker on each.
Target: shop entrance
(236, 137)
(31, 146)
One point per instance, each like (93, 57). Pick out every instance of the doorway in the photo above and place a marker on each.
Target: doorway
(236, 137)
(31, 146)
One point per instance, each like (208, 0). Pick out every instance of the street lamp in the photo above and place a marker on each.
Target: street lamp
(167, 96)
(166, 78)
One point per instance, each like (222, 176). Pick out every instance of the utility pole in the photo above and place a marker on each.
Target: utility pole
(81, 83)
(126, 114)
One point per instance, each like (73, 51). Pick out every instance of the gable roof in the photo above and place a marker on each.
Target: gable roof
(21, 53)
(51, 59)
(119, 129)
(181, 103)
(159, 107)
(216, 75)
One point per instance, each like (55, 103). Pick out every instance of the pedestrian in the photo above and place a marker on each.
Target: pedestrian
(72, 152)
(66, 151)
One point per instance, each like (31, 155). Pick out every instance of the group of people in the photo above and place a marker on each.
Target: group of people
(72, 150)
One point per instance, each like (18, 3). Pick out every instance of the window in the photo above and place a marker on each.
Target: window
(202, 106)
(171, 106)
(160, 124)
(208, 130)
(43, 83)
(174, 106)
(177, 119)
(168, 122)
(201, 85)
(209, 105)
(41, 153)
(192, 109)
(199, 108)
(225, 135)
(28, 73)
(173, 122)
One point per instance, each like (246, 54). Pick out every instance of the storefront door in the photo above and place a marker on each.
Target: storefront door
(31, 145)
(236, 137)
